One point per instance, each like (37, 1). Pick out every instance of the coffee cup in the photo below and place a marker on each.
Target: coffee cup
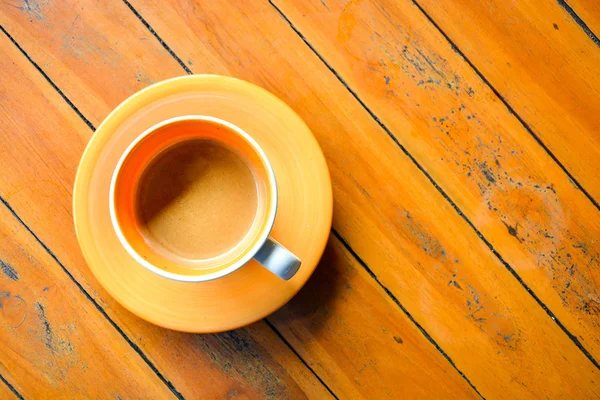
(194, 198)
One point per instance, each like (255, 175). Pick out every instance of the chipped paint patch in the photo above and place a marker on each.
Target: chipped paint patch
(3, 295)
(143, 78)
(404, 57)
(88, 48)
(47, 328)
(55, 343)
(9, 271)
(424, 240)
(34, 9)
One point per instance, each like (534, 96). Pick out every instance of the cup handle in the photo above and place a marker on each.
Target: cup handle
(277, 259)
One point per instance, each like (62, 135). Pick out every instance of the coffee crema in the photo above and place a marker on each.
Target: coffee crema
(196, 199)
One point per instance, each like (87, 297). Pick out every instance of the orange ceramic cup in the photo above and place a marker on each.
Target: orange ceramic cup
(255, 244)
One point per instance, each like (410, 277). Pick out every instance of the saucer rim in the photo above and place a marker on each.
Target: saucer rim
(319, 247)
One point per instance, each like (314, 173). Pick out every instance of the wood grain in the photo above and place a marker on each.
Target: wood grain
(6, 393)
(354, 335)
(379, 197)
(589, 12)
(543, 64)
(433, 102)
(237, 354)
(40, 156)
(54, 341)
(449, 280)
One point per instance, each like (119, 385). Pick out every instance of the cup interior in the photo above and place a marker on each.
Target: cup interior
(147, 160)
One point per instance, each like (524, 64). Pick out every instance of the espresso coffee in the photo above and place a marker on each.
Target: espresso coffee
(196, 199)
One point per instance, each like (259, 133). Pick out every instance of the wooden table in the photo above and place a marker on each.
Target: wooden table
(463, 141)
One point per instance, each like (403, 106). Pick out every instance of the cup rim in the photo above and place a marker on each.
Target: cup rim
(249, 253)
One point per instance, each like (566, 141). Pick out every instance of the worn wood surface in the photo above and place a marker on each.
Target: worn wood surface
(53, 338)
(504, 182)
(351, 332)
(415, 379)
(543, 64)
(37, 183)
(447, 210)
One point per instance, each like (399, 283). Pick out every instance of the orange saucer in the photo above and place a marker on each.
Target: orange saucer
(303, 216)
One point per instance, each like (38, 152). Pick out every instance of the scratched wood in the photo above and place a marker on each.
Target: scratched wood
(479, 154)
(41, 143)
(543, 64)
(54, 340)
(446, 277)
(421, 272)
(233, 351)
(551, 84)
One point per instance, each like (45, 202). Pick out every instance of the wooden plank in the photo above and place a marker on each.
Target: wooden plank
(421, 362)
(425, 355)
(478, 153)
(352, 333)
(379, 197)
(42, 142)
(488, 324)
(6, 393)
(54, 341)
(543, 63)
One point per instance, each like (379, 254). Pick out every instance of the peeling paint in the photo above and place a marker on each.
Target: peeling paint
(9, 271)
(34, 9)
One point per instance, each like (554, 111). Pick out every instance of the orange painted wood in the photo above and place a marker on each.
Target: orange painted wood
(238, 353)
(54, 341)
(474, 308)
(480, 155)
(6, 393)
(379, 199)
(543, 64)
(423, 362)
(41, 143)
(353, 334)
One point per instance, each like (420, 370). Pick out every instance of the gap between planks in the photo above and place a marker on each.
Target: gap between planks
(440, 190)
(344, 242)
(168, 383)
(405, 311)
(586, 29)
(455, 48)
(11, 387)
(284, 340)
(573, 338)
(95, 303)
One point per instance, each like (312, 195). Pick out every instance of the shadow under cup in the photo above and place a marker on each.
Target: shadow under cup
(195, 147)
